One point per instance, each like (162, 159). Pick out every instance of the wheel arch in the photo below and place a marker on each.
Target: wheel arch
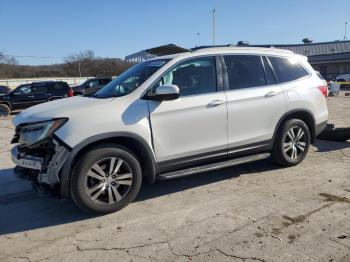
(302, 114)
(6, 103)
(137, 145)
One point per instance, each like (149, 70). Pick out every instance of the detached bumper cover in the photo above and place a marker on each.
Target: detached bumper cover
(30, 162)
(47, 171)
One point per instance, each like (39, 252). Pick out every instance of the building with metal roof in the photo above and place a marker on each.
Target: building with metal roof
(155, 51)
(329, 58)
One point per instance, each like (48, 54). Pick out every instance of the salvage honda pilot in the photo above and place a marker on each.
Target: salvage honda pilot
(170, 117)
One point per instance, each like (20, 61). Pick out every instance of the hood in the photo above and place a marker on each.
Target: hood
(66, 107)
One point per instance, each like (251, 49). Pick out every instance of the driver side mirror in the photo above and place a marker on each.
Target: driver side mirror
(165, 93)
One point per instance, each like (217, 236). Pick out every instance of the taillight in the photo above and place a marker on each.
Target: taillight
(324, 90)
(70, 92)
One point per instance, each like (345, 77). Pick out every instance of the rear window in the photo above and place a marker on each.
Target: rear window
(287, 69)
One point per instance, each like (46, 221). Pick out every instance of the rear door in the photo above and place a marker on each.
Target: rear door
(194, 126)
(255, 101)
(40, 94)
(57, 90)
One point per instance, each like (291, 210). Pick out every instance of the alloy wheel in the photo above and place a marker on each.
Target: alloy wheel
(3, 111)
(294, 142)
(108, 181)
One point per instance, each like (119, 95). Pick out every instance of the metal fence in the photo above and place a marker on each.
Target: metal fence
(13, 83)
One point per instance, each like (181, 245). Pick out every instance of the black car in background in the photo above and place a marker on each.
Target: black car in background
(27, 95)
(91, 85)
(4, 90)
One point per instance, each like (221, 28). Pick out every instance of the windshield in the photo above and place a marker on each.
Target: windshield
(131, 79)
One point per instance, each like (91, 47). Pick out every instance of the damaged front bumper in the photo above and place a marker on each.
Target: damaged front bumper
(42, 164)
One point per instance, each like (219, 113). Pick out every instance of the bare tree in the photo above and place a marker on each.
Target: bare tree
(80, 62)
(5, 59)
(83, 63)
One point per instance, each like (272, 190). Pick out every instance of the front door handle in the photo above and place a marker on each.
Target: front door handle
(271, 94)
(215, 103)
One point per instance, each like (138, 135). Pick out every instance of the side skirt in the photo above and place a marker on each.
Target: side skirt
(211, 167)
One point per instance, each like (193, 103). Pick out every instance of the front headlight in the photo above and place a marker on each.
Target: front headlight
(35, 133)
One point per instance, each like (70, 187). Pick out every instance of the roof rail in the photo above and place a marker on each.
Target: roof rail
(234, 47)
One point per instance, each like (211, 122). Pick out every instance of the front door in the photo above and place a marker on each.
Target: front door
(194, 125)
(29, 95)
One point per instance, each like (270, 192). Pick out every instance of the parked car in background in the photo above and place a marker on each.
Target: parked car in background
(4, 90)
(91, 85)
(32, 94)
(170, 117)
(343, 78)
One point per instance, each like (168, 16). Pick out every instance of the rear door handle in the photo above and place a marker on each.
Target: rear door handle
(31, 96)
(215, 103)
(271, 94)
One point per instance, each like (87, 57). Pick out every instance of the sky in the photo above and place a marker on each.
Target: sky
(44, 32)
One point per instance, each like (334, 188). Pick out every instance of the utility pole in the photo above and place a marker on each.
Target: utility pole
(79, 67)
(198, 34)
(345, 34)
(213, 27)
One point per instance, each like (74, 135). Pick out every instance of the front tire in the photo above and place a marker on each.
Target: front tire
(5, 110)
(105, 179)
(292, 143)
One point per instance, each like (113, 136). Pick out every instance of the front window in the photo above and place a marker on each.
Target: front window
(131, 79)
(193, 77)
(24, 90)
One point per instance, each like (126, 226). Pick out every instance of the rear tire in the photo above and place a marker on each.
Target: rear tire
(5, 110)
(292, 143)
(105, 179)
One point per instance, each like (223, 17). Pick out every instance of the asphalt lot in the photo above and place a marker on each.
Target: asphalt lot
(254, 212)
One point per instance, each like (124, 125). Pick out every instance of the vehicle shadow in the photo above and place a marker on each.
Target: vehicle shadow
(328, 146)
(27, 210)
(23, 209)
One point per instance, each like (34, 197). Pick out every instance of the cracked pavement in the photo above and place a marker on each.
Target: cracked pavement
(252, 212)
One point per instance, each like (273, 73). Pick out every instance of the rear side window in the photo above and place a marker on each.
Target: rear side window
(58, 88)
(244, 71)
(40, 88)
(287, 69)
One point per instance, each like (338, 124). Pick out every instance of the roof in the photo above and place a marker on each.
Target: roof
(242, 48)
(312, 49)
(232, 50)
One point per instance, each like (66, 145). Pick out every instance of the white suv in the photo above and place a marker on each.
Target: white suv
(169, 117)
